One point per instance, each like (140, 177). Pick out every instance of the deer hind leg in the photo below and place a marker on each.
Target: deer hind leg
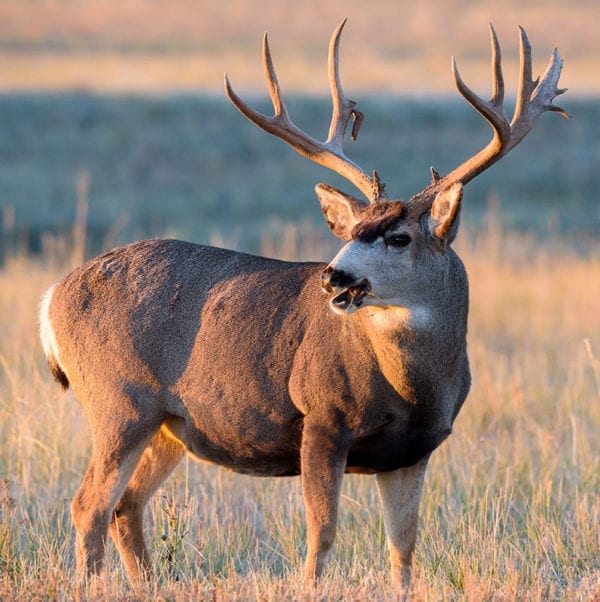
(400, 494)
(323, 462)
(114, 459)
(159, 459)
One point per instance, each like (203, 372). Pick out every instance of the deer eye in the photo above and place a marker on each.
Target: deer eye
(398, 240)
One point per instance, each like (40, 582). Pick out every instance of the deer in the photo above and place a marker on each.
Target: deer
(275, 368)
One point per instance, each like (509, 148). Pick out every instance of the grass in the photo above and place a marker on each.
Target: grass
(510, 508)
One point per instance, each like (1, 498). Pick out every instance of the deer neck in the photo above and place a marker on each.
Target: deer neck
(414, 345)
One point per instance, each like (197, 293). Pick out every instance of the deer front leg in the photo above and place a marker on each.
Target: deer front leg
(400, 494)
(323, 461)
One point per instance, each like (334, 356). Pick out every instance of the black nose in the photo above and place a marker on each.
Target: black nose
(332, 279)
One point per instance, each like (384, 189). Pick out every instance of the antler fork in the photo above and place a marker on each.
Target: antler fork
(330, 153)
(534, 97)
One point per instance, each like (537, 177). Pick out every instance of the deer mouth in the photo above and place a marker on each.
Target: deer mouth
(352, 297)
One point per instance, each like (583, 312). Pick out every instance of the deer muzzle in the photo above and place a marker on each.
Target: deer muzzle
(349, 292)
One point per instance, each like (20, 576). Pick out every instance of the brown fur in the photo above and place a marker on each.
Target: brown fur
(376, 219)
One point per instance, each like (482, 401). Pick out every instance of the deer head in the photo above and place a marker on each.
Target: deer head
(407, 230)
(398, 234)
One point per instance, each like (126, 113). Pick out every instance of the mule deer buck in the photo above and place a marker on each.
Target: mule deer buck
(276, 368)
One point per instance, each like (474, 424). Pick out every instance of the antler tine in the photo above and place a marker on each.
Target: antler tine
(343, 108)
(533, 98)
(492, 111)
(329, 153)
(268, 124)
(272, 81)
(497, 98)
(526, 83)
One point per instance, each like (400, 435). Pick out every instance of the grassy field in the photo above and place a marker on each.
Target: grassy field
(511, 503)
(510, 508)
(193, 167)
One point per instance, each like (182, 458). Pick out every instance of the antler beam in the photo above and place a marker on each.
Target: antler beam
(330, 153)
(534, 97)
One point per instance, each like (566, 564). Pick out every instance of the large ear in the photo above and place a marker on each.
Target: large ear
(443, 218)
(341, 211)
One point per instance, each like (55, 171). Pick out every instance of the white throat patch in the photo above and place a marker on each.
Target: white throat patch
(391, 317)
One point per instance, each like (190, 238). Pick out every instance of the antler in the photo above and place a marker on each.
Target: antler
(329, 153)
(533, 98)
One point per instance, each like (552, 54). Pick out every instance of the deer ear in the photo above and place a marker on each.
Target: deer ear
(443, 218)
(341, 211)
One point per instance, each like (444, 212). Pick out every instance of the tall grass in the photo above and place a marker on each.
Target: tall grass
(511, 503)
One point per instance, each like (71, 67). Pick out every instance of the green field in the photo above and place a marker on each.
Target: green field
(194, 168)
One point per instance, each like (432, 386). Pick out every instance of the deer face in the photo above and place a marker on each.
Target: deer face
(385, 260)
(395, 251)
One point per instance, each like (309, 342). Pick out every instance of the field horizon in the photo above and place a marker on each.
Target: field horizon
(390, 48)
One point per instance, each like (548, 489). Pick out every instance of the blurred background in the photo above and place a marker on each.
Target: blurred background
(119, 103)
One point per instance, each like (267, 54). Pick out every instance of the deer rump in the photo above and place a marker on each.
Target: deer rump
(220, 349)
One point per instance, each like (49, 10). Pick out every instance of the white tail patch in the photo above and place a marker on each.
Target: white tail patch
(46, 331)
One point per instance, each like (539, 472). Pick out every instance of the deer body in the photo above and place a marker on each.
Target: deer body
(274, 368)
(235, 385)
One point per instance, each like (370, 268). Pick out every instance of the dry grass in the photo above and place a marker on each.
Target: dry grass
(389, 46)
(510, 508)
